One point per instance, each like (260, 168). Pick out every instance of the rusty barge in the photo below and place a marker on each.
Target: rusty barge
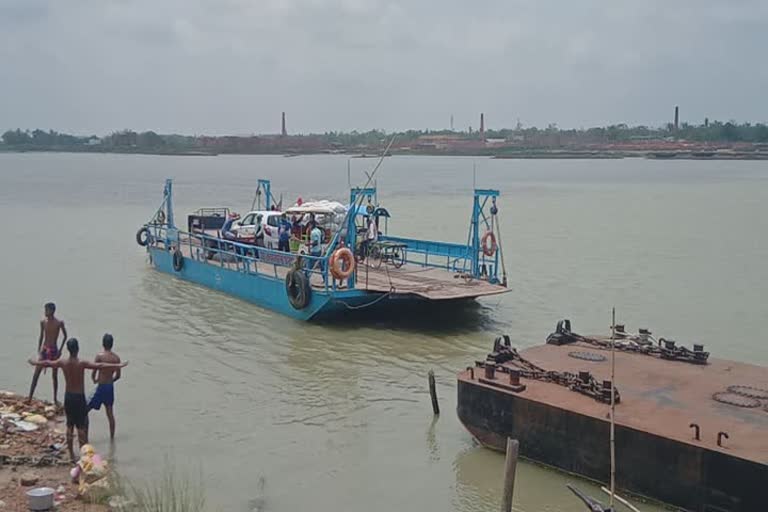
(691, 431)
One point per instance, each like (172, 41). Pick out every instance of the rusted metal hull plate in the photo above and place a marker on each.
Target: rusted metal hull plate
(656, 451)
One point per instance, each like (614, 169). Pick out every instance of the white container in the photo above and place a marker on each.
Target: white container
(40, 498)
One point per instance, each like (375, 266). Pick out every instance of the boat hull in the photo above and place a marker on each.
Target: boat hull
(683, 474)
(267, 292)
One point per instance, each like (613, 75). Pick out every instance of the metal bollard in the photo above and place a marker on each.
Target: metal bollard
(696, 431)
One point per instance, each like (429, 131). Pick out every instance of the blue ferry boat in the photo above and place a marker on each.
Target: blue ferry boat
(352, 272)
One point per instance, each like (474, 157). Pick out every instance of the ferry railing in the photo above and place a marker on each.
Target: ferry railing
(256, 260)
(245, 258)
(272, 264)
(426, 253)
(158, 235)
(488, 266)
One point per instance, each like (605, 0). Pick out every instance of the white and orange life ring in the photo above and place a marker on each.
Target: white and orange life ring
(342, 263)
(489, 250)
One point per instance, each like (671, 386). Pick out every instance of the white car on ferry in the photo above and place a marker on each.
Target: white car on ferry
(245, 228)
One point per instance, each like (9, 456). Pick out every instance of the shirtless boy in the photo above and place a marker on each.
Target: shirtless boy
(105, 379)
(47, 349)
(75, 406)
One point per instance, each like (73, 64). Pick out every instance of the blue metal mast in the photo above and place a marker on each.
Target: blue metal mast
(266, 186)
(481, 219)
(168, 197)
(354, 195)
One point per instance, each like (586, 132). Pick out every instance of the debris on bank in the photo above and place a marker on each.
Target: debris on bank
(30, 433)
(33, 455)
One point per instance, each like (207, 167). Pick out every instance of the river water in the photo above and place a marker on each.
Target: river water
(281, 415)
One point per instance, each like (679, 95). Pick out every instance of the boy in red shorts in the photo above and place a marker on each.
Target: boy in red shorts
(47, 349)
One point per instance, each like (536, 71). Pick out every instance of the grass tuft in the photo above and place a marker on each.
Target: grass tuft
(168, 492)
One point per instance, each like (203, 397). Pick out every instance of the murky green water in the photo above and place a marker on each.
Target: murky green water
(285, 416)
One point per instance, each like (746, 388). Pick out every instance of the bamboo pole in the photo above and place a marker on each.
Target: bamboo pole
(621, 500)
(613, 408)
(510, 467)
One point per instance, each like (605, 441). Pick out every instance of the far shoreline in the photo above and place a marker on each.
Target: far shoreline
(522, 154)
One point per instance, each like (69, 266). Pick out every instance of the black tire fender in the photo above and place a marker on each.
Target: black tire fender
(178, 260)
(297, 288)
(142, 236)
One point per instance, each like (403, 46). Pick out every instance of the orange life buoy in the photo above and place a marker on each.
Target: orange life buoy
(342, 263)
(489, 250)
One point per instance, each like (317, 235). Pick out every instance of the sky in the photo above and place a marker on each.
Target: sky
(232, 66)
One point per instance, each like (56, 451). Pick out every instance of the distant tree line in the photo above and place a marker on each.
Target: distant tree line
(125, 139)
(715, 131)
(129, 140)
(43, 138)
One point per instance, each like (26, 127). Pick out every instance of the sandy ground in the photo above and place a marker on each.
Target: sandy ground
(40, 453)
(13, 494)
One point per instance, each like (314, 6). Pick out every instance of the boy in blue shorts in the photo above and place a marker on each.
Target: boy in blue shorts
(105, 380)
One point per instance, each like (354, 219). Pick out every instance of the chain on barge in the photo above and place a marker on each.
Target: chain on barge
(305, 287)
(690, 430)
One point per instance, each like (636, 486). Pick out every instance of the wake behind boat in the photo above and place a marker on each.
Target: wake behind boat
(351, 269)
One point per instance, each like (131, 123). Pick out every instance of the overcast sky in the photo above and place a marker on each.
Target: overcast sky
(231, 66)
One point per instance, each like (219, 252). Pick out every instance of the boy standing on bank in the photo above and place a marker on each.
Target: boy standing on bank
(47, 348)
(75, 405)
(105, 379)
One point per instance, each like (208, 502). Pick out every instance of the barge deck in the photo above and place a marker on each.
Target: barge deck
(692, 435)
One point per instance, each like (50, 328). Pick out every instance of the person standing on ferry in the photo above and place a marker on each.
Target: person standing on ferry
(259, 232)
(226, 229)
(284, 234)
(315, 244)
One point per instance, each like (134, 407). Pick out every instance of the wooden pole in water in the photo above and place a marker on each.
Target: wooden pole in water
(510, 466)
(613, 408)
(433, 393)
